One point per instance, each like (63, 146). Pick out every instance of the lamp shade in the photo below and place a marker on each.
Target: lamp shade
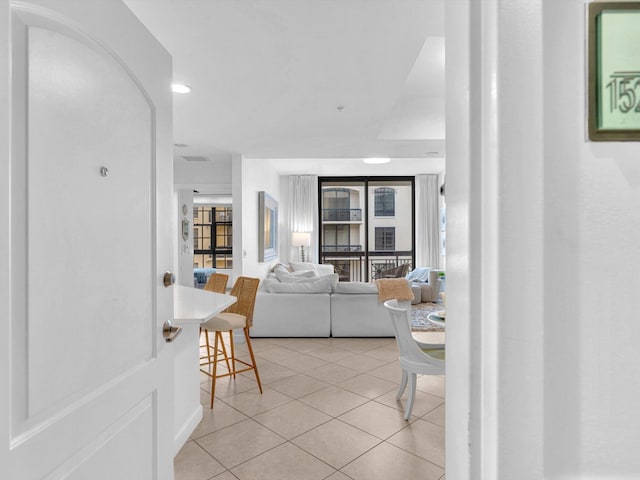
(301, 239)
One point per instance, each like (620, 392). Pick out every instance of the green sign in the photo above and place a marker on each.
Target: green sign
(614, 71)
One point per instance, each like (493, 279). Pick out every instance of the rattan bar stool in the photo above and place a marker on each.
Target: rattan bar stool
(217, 283)
(238, 315)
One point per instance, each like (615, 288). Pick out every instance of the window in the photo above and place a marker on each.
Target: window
(336, 205)
(212, 237)
(385, 202)
(336, 238)
(366, 222)
(385, 238)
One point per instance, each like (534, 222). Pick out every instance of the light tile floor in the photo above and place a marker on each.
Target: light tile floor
(328, 411)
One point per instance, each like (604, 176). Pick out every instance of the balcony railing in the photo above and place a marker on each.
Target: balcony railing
(341, 248)
(354, 266)
(341, 214)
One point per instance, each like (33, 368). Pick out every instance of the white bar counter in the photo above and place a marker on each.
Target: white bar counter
(194, 305)
(191, 308)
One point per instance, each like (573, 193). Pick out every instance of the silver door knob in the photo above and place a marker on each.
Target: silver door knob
(169, 332)
(168, 279)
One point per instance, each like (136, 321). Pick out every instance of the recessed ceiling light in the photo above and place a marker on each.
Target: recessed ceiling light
(376, 160)
(180, 88)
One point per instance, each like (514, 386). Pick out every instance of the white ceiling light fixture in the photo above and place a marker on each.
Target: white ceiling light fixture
(376, 161)
(180, 88)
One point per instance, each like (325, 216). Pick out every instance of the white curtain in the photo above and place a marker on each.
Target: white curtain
(427, 222)
(303, 211)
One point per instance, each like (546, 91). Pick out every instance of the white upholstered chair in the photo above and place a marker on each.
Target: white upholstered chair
(415, 357)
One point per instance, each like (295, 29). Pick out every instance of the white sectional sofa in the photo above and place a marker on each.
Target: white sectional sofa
(319, 306)
(292, 315)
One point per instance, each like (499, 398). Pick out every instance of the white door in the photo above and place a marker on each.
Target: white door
(88, 386)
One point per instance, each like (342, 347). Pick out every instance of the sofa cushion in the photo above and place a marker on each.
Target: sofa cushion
(356, 287)
(315, 285)
(323, 269)
(302, 266)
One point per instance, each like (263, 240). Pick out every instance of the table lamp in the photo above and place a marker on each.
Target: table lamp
(301, 239)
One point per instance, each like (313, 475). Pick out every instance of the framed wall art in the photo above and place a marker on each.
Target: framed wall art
(267, 227)
(614, 71)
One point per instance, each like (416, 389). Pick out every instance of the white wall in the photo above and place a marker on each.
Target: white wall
(592, 233)
(5, 215)
(257, 175)
(214, 175)
(184, 248)
(542, 255)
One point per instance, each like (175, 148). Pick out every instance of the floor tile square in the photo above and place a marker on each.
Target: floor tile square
(298, 385)
(238, 443)
(253, 402)
(276, 354)
(391, 372)
(286, 462)
(226, 386)
(376, 419)
(224, 476)
(436, 416)
(386, 354)
(292, 419)
(360, 345)
(368, 386)
(332, 373)
(269, 373)
(193, 463)
(338, 476)
(336, 443)
(422, 404)
(331, 354)
(303, 362)
(221, 416)
(387, 461)
(333, 401)
(422, 438)
(432, 384)
(361, 363)
(303, 345)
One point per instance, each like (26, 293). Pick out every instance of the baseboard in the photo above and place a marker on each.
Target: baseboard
(187, 429)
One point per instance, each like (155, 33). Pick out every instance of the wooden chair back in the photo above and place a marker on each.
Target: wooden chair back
(244, 289)
(217, 283)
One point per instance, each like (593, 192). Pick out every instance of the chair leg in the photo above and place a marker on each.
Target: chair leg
(233, 353)
(206, 336)
(253, 358)
(403, 384)
(215, 368)
(224, 350)
(411, 397)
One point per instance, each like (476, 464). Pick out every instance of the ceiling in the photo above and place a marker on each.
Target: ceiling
(304, 78)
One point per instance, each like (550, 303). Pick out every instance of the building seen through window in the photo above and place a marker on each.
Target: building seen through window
(367, 225)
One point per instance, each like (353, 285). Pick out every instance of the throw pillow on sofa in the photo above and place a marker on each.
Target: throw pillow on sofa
(286, 277)
(321, 269)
